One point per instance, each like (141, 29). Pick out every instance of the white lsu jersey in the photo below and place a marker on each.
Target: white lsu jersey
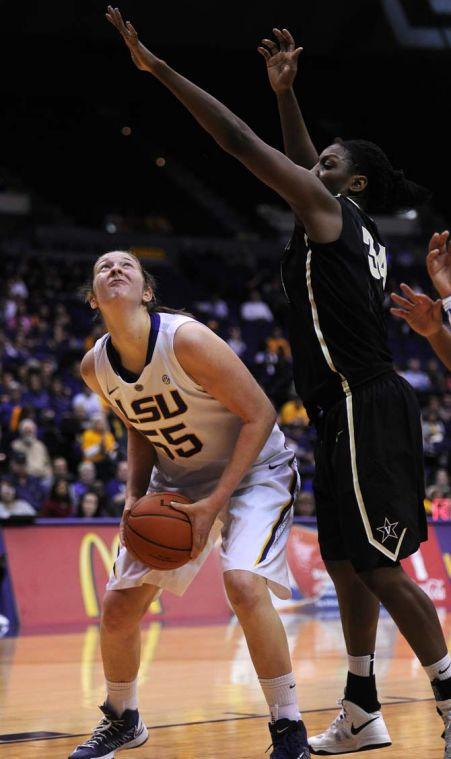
(192, 432)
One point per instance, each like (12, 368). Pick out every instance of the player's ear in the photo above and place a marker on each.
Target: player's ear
(92, 301)
(358, 183)
(147, 295)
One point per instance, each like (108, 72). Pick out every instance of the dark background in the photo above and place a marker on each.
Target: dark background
(68, 87)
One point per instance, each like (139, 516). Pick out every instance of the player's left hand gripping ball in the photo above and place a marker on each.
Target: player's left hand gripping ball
(202, 515)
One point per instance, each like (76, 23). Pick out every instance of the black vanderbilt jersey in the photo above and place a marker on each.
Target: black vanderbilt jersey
(336, 292)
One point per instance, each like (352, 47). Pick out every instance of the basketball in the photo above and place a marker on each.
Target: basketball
(157, 534)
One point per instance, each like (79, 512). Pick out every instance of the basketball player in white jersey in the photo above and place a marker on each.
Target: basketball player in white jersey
(197, 423)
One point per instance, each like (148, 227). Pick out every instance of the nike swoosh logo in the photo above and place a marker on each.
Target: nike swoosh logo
(110, 392)
(281, 732)
(357, 730)
(442, 671)
(274, 466)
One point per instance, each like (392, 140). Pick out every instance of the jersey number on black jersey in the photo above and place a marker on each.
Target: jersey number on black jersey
(377, 257)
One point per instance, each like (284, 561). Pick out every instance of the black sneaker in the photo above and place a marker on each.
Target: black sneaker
(112, 734)
(289, 740)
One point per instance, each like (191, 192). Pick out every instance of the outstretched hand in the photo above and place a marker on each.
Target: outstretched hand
(438, 263)
(281, 59)
(141, 56)
(422, 314)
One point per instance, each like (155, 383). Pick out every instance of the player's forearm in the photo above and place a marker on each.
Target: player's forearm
(297, 141)
(140, 458)
(253, 436)
(220, 122)
(440, 342)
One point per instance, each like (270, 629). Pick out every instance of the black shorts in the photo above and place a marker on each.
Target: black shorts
(369, 480)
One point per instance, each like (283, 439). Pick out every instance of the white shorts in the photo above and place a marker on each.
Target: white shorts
(254, 533)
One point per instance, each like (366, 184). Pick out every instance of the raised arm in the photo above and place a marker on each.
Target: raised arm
(282, 67)
(312, 203)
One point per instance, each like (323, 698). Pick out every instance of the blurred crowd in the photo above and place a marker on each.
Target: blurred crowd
(63, 453)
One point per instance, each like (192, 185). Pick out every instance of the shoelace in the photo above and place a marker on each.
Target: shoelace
(337, 723)
(105, 725)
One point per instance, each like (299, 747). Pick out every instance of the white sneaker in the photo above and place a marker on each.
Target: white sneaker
(353, 730)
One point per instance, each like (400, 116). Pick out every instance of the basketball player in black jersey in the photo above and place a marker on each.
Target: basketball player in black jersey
(369, 482)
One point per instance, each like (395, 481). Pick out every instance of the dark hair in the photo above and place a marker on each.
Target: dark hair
(98, 510)
(388, 189)
(54, 491)
(149, 281)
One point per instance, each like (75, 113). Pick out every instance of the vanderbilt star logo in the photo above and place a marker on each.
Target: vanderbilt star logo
(388, 530)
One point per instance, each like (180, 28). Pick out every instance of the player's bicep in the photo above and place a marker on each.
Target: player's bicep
(212, 364)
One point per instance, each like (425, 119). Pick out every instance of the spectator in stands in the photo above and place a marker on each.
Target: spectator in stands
(59, 502)
(436, 375)
(35, 395)
(38, 459)
(278, 344)
(61, 469)
(215, 308)
(89, 505)
(441, 486)
(86, 479)
(115, 490)
(293, 413)
(28, 488)
(89, 401)
(60, 400)
(433, 436)
(416, 376)
(10, 505)
(255, 309)
(304, 505)
(98, 445)
(236, 341)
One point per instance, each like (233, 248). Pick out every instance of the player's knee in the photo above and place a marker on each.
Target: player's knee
(244, 589)
(118, 613)
(385, 582)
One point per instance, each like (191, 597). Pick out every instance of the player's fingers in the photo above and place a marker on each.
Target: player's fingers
(264, 52)
(281, 39)
(409, 292)
(131, 30)
(289, 38)
(399, 313)
(400, 301)
(272, 47)
(433, 241)
(297, 52)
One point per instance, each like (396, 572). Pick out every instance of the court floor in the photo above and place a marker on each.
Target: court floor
(198, 692)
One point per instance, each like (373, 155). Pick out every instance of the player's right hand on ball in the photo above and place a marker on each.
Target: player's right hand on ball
(281, 59)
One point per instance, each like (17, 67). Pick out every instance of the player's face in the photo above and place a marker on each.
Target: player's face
(118, 277)
(334, 169)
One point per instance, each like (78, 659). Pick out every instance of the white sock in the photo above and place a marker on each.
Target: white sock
(441, 670)
(363, 666)
(281, 697)
(122, 696)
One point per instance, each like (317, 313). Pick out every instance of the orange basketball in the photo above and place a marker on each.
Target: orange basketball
(157, 534)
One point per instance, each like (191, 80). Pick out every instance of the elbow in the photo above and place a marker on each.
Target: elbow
(236, 138)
